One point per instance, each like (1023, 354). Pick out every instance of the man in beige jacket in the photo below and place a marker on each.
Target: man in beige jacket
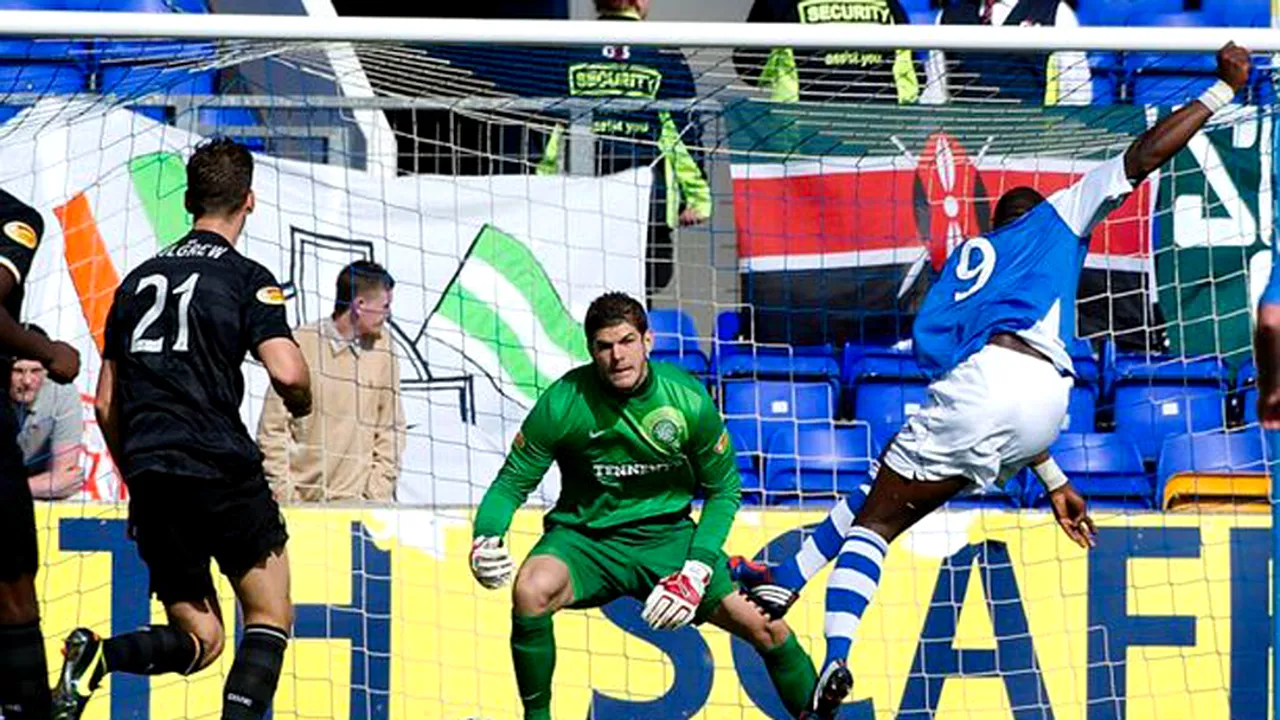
(349, 448)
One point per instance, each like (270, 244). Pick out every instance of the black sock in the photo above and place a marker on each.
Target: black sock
(153, 651)
(251, 684)
(24, 673)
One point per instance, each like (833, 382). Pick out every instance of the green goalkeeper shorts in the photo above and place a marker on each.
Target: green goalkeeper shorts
(629, 561)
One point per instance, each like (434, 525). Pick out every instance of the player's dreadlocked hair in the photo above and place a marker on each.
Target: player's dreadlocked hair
(612, 309)
(219, 177)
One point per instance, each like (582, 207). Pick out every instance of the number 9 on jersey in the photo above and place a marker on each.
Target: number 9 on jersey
(977, 269)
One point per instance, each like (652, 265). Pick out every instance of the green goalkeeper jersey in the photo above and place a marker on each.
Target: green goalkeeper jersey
(624, 459)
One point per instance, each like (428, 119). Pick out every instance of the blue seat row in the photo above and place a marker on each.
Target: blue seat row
(1144, 397)
(1141, 13)
(124, 69)
(807, 462)
(1175, 13)
(817, 460)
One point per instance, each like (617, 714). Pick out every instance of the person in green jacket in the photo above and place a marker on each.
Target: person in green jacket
(634, 439)
(844, 74)
(668, 140)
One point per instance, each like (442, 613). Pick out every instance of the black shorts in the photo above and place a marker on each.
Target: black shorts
(179, 523)
(18, 552)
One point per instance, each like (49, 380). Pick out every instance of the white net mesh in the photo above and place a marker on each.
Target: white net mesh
(505, 188)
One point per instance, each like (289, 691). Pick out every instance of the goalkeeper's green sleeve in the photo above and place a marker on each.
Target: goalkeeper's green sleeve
(531, 455)
(714, 462)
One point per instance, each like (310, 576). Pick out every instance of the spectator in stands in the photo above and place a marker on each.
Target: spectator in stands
(349, 448)
(1060, 78)
(50, 427)
(844, 74)
(638, 138)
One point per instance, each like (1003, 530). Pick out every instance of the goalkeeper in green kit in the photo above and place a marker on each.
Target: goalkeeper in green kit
(634, 439)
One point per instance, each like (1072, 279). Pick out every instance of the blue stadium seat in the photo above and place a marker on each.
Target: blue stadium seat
(1164, 89)
(1106, 86)
(923, 17)
(1082, 407)
(1088, 386)
(1220, 451)
(41, 78)
(1170, 78)
(154, 6)
(1200, 462)
(1157, 16)
(755, 409)
(1247, 383)
(1240, 13)
(127, 80)
(778, 362)
(1123, 12)
(675, 340)
(819, 460)
(1085, 360)
(1105, 467)
(885, 385)
(748, 466)
(40, 49)
(735, 356)
(728, 325)
(1156, 396)
(919, 6)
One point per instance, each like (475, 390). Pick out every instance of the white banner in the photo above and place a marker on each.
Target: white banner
(494, 274)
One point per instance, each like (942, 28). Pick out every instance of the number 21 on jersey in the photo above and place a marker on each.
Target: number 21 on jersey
(184, 293)
(977, 260)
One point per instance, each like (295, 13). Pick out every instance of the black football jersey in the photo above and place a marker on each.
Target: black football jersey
(21, 228)
(179, 328)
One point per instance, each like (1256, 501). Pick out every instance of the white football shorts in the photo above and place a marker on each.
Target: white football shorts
(984, 420)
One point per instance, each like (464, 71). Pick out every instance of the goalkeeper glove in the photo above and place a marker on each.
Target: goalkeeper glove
(675, 598)
(490, 562)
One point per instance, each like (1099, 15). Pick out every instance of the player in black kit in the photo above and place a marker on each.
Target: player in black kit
(24, 675)
(169, 407)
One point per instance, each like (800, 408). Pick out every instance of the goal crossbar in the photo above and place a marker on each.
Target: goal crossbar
(62, 24)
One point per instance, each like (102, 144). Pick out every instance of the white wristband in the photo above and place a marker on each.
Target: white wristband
(1051, 476)
(1218, 96)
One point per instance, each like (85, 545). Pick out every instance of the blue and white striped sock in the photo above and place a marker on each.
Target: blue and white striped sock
(823, 544)
(852, 585)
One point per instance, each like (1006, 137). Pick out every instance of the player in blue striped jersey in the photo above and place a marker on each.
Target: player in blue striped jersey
(992, 335)
(1266, 355)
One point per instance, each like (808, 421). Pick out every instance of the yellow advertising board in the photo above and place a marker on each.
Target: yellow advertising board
(979, 615)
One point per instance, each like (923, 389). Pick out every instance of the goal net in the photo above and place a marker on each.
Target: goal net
(782, 212)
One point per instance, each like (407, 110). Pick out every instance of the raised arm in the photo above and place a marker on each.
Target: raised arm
(1156, 146)
(1083, 205)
